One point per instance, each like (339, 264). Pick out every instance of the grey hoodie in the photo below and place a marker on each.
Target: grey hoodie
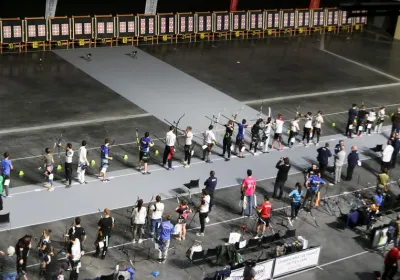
(340, 157)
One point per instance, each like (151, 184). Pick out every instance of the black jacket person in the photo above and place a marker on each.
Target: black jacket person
(323, 157)
(105, 224)
(350, 120)
(210, 185)
(352, 161)
(22, 250)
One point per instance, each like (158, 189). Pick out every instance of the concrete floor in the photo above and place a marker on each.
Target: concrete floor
(271, 68)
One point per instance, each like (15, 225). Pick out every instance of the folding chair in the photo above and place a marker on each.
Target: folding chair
(191, 185)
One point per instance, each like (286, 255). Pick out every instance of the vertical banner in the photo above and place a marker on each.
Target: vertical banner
(314, 4)
(233, 6)
(151, 7)
(51, 6)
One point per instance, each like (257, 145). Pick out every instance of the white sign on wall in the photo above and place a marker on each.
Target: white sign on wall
(297, 261)
(263, 271)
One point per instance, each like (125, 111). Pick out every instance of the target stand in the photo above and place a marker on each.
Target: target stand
(82, 35)
(204, 26)
(104, 31)
(59, 32)
(318, 20)
(288, 21)
(303, 22)
(273, 22)
(36, 36)
(185, 27)
(222, 25)
(166, 28)
(332, 17)
(255, 24)
(147, 29)
(12, 35)
(126, 29)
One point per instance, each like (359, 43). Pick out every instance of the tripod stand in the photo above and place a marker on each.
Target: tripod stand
(126, 253)
(66, 238)
(326, 201)
(307, 208)
(194, 215)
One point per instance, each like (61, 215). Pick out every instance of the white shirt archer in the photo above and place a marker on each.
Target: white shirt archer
(170, 138)
(82, 154)
(294, 126)
(308, 123)
(209, 136)
(387, 153)
(157, 210)
(319, 120)
(69, 154)
(279, 125)
(189, 138)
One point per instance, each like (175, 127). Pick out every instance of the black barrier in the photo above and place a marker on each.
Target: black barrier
(185, 23)
(239, 21)
(104, 27)
(12, 31)
(303, 19)
(36, 30)
(272, 20)
(288, 19)
(256, 20)
(126, 26)
(318, 18)
(332, 17)
(82, 27)
(147, 25)
(166, 24)
(204, 23)
(221, 22)
(60, 29)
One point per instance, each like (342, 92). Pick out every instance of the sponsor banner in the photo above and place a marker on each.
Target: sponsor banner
(233, 5)
(296, 262)
(314, 4)
(51, 6)
(151, 7)
(263, 271)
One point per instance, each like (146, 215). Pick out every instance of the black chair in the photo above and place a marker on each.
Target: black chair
(5, 220)
(107, 277)
(267, 240)
(290, 233)
(253, 243)
(277, 236)
(211, 253)
(191, 185)
(197, 257)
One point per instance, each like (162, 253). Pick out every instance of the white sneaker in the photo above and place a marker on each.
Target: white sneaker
(200, 234)
(140, 241)
(133, 241)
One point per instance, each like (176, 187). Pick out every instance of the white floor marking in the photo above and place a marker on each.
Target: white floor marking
(305, 95)
(75, 123)
(362, 65)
